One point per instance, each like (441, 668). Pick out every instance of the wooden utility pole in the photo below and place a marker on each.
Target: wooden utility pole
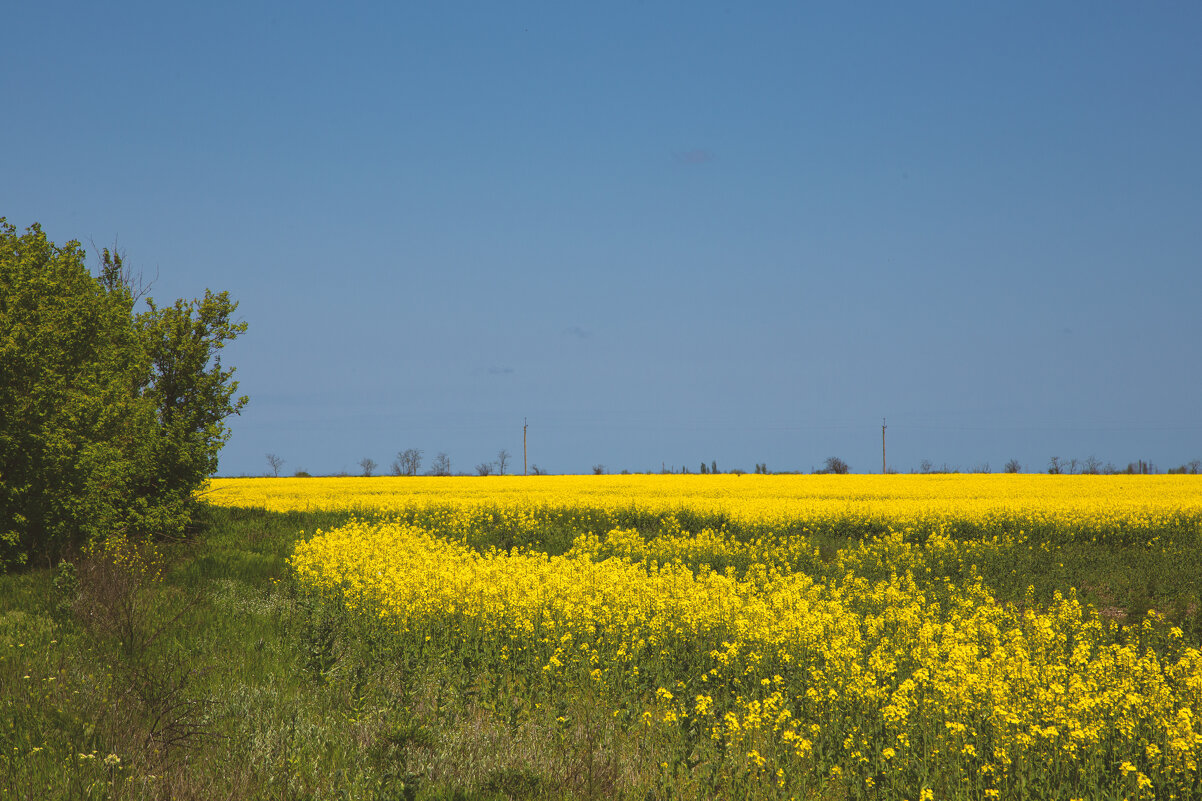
(884, 470)
(523, 446)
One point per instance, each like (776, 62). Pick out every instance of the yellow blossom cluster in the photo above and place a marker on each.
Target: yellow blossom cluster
(1038, 507)
(868, 669)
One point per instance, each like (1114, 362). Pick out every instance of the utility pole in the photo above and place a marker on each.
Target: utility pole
(883, 468)
(523, 446)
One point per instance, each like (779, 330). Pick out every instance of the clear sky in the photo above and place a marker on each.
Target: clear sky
(662, 233)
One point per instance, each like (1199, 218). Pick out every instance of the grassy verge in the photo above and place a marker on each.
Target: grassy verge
(182, 674)
(197, 671)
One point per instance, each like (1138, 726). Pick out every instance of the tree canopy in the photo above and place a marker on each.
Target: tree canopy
(111, 418)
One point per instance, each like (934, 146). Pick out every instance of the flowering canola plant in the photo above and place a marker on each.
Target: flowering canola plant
(1080, 507)
(756, 661)
(757, 497)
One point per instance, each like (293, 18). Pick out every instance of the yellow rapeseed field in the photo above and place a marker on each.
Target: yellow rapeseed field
(1083, 502)
(700, 613)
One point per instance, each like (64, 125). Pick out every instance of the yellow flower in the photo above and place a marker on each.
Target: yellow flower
(902, 627)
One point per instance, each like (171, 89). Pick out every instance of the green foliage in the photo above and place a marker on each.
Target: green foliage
(110, 420)
(64, 590)
(190, 392)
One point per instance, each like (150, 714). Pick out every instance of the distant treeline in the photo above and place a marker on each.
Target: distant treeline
(409, 463)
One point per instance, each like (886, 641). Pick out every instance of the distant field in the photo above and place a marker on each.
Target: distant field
(1140, 502)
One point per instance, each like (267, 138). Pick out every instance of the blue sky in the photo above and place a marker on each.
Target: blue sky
(662, 233)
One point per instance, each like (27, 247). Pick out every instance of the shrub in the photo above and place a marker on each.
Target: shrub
(110, 419)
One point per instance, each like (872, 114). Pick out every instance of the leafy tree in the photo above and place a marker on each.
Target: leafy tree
(110, 420)
(60, 471)
(191, 392)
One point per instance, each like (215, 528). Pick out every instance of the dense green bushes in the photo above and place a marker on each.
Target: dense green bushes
(110, 418)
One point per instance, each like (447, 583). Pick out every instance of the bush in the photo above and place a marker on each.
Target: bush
(110, 419)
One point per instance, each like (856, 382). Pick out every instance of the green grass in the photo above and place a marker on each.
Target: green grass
(216, 694)
(219, 681)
